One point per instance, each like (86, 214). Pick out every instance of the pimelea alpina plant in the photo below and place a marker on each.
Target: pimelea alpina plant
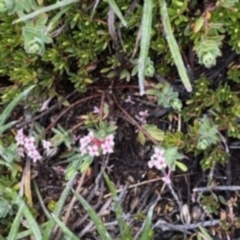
(95, 146)
(163, 159)
(159, 162)
(27, 145)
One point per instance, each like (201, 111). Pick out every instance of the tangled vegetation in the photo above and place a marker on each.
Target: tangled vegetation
(168, 69)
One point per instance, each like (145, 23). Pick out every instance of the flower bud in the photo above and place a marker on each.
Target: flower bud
(202, 144)
(36, 45)
(149, 71)
(209, 60)
(176, 104)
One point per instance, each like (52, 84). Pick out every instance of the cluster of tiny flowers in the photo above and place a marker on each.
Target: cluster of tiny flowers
(143, 116)
(94, 146)
(157, 159)
(26, 145)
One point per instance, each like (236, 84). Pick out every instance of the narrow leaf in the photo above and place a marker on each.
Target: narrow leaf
(172, 43)
(60, 204)
(102, 231)
(146, 232)
(182, 166)
(124, 228)
(16, 223)
(145, 43)
(64, 229)
(117, 11)
(7, 111)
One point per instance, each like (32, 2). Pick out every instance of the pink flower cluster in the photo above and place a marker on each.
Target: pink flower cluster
(94, 146)
(143, 116)
(27, 146)
(157, 159)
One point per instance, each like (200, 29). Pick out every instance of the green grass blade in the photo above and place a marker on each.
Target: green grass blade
(46, 212)
(147, 232)
(25, 233)
(172, 43)
(117, 11)
(32, 223)
(16, 223)
(124, 228)
(7, 111)
(64, 229)
(145, 43)
(26, 212)
(59, 206)
(102, 231)
(58, 4)
(7, 126)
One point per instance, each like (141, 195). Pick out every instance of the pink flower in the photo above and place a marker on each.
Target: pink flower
(31, 149)
(157, 159)
(46, 144)
(96, 110)
(86, 140)
(20, 137)
(93, 150)
(29, 142)
(34, 154)
(109, 140)
(143, 116)
(129, 100)
(107, 148)
(159, 152)
(151, 163)
(160, 164)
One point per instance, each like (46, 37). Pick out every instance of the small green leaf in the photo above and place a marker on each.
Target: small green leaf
(154, 132)
(205, 233)
(182, 166)
(141, 138)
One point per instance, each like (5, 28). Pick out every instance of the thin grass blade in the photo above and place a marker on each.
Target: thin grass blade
(58, 4)
(26, 212)
(46, 212)
(124, 228)
(16, 223)
(102, 231)
(147, 232)
(117, 11)
(64, 229)
(7, 111)
(59, 206)
(7, 126)
(145, 43)
(172, 43)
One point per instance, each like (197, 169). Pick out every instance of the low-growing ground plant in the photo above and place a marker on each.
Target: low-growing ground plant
(163, 74)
